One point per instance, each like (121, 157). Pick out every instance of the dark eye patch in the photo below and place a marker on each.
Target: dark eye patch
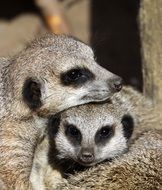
(104, 134)
(73, 134)
(128, 125)
(76, 77)
(32, 93)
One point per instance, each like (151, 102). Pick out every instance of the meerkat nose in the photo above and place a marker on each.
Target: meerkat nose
(117, 83)
(87, 156)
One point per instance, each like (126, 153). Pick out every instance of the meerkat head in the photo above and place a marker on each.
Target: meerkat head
(58, 72)
(91, 133)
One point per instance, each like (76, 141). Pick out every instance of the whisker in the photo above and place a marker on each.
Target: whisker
(48, 96)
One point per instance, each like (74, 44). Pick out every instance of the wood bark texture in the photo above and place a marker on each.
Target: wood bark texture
(150, 18)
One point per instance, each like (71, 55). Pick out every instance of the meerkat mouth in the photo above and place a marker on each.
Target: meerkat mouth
(98, 95)
(87, 164)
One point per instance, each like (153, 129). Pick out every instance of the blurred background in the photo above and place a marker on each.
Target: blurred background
(109, 26)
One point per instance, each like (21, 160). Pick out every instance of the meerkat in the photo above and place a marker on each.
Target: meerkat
(81, 136)
(139, 169)
(89, 134)
(50, 75)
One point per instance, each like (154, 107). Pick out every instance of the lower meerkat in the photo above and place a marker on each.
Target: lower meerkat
(139, 169)
(50, 75)
(90, 134)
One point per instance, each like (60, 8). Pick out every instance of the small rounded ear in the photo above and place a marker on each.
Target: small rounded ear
(53, 124)
(32, 93)
(128, 125)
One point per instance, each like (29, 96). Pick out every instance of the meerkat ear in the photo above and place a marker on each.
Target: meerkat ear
(32, 93)
(53, 124)
(128, 125)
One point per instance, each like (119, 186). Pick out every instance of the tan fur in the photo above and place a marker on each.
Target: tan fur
(41, 168)
(146, 115)
(2, 186)
(133, 165)
(44, 59)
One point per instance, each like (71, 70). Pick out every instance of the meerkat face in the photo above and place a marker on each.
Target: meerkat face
(59, 72)
(90, 134)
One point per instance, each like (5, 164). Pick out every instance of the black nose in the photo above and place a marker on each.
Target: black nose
(117, 83)
(87, 156)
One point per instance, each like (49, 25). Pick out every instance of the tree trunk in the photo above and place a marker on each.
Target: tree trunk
(151, 41)
(54, 16)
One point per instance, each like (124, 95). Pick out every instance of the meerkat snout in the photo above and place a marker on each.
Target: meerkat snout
(117, 83)
(86, 156)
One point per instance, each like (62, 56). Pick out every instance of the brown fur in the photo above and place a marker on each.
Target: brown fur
(45, 59)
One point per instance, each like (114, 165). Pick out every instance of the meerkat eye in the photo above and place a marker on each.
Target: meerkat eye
(104, 134)
(73, 133)
(72, 130)
(76, 76)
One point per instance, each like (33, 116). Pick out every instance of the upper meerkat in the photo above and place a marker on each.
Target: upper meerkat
(50, 68)
(50, 75)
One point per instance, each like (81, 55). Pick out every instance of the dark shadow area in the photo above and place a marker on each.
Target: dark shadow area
(11, 8)
(115, 38)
